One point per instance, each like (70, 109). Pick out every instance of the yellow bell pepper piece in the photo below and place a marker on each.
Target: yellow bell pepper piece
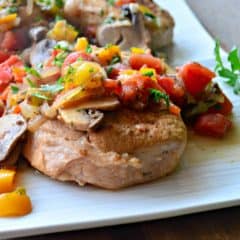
(7, 180)
(105, 55)
(136, 50)
(8, 19)
(82, 44)
(143, 9)
(85, 74)
(63, 31)
(15, 203)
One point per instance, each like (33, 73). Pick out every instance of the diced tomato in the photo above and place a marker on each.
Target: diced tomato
(120, 3)
(4, 56)
(138, 86)
(15, 40)
(115, 70)
(112, 86)
(17, 109)
(6, 74)
(9, 41)
(5, 78)
(137, 61)
(195, 77)
(174, 109)
(129, 90)
(174, 90)
(224, 108)
(213, 125)
(73, 57)
(5, 93)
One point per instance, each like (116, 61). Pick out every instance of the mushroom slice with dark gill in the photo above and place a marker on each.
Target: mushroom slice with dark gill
(41, 52)
(125, 33)
(81, 120)
(12, 128)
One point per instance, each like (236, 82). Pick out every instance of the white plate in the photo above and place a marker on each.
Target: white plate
(208, 177)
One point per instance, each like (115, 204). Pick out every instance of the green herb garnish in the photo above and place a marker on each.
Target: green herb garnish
(59, 59)
(58, 18)
(109, 70)
(32, 71)
(111, 2)
(148, 74)
(52, 88)
(232, 74)
(59, 3)
(40, 96)
(12, 9)
(150, 15)
(158, 95)
(14, 89)
(31, 83)
(89, 49)
(115, 59)
(62, 46)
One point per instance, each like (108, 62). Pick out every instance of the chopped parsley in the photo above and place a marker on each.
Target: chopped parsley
(62, 46)
(111, 2)
(52, 88)
(148, 74)
(59, 3)
(12, 9)
(158, 95)
(32, 71)
(115, 59)
(150, 15)
(89, 49)
(14, 89)
(232, 73)
(59, 59)
(58, 18)
(109, 70)
(40, 96)
(31, 83)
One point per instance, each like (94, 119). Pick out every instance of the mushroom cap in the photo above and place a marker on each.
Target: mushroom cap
(12, 128)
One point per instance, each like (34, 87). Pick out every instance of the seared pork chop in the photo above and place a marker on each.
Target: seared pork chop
(130, 148)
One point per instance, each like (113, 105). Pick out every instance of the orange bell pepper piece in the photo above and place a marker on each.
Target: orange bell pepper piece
(7, 180)
(15, 203)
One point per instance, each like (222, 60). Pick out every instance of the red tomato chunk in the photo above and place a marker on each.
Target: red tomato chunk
(137, 61)
(213, 125)
(195, 77)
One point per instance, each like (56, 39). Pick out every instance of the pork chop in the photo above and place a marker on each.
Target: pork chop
(130, 148)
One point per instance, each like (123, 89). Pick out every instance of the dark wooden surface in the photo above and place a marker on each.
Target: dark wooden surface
(222, 19)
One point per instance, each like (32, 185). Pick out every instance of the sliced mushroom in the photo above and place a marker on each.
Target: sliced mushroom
(162, 31)
(105, 104)
(125, 33)
(82, 120)
(12, 128)
(41, 52)
(37, 33)
(13, 157)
